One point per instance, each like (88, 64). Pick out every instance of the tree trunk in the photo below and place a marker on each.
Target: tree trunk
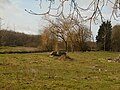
(66, 46)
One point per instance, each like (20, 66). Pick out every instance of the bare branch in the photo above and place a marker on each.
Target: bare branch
(75, 10)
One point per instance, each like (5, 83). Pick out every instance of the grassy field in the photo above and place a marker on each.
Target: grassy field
(7, 49)
(87, 71)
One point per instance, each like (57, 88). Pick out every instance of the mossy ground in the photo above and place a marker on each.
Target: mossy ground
(87, 71)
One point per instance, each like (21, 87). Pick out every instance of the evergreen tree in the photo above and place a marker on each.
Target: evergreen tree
(104, 36)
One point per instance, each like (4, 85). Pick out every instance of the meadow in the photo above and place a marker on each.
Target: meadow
(38, 71)
(16, 49)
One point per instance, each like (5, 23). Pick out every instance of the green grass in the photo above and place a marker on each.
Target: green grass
(88, 71)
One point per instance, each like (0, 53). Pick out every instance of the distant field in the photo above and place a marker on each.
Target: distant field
(87, 71)
(7, 49)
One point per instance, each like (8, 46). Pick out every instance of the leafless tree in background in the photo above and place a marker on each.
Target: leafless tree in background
(72, 33)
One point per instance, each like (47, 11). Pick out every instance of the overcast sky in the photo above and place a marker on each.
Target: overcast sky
(15, 18)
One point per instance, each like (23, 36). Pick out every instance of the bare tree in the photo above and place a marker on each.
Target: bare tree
(60, 28)
(48, 39)
(70, 31)
(79, 35)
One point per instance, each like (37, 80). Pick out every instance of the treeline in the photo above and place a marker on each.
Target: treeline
(11, 38)
(66, 34)
(70, 35)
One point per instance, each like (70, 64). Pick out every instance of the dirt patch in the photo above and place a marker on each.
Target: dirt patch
(116, 59)
(65, 58)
